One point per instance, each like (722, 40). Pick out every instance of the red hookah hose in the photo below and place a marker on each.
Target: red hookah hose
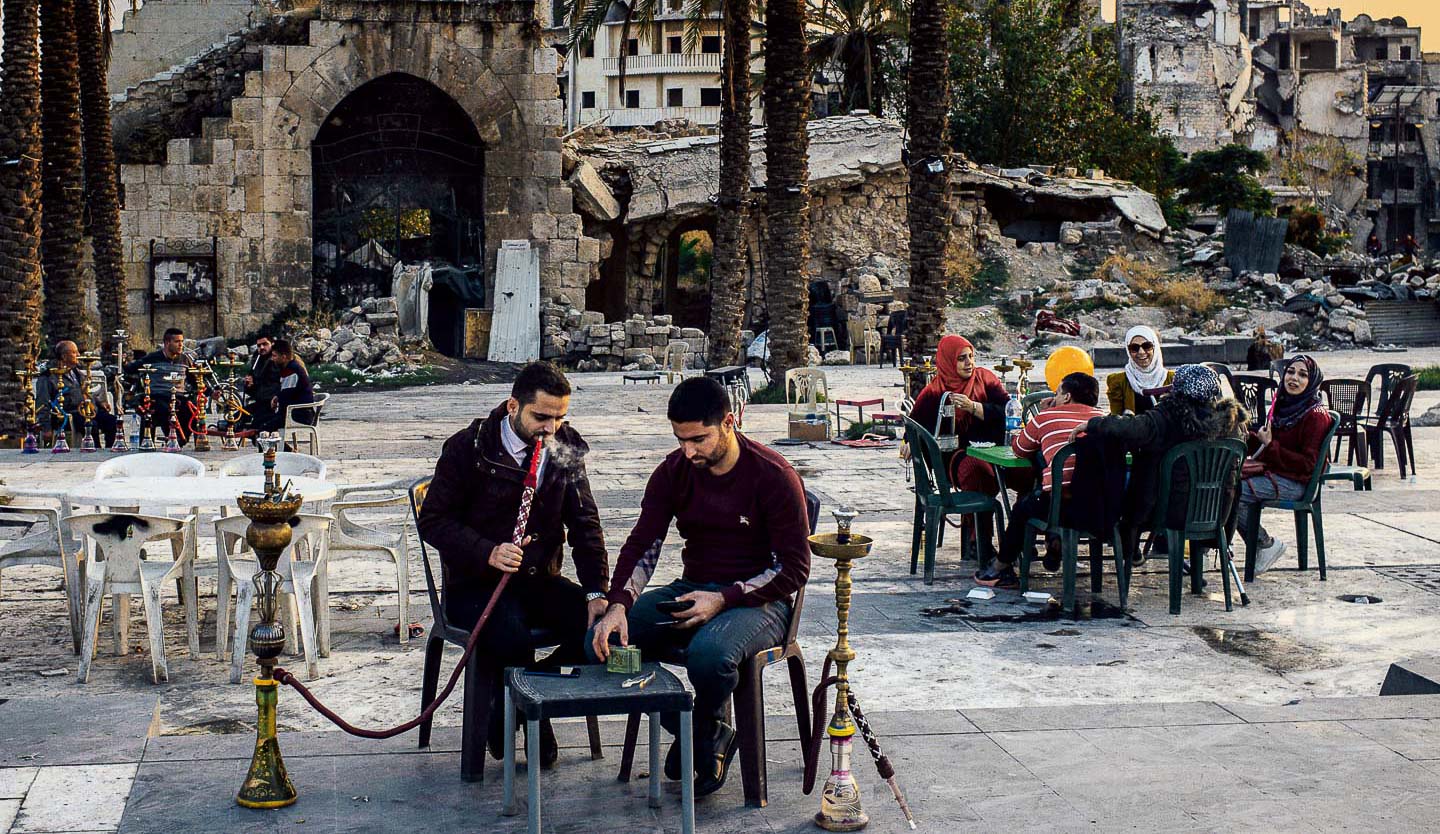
(522, 520)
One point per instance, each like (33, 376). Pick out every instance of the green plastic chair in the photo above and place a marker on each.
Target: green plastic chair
(1213, 467)
(1030, 405)
(1306, 505)
(1070, 544)
(935, 498)
(1358, 476)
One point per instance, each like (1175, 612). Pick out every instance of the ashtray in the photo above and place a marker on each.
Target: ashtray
(981, 593)
(1041, 597)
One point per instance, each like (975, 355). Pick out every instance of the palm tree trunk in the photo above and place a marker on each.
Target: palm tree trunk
(727, 275)
(100, 170)
(927, 103)
(19, 204)
(62, 175)
(787, 198)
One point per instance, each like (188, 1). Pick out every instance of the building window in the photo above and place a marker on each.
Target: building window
(675, 97)
(632, 46)
(632, 99)
(709, 96)
(1382, 52)
(587, 100)
(557, 12)
(1404, 53)
(710, 43)
(674, 45)
(588, 50)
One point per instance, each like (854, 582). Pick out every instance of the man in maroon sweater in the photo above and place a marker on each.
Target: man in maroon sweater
(740, 508)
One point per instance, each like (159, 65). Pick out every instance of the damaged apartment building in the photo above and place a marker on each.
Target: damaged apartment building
(1276, 76)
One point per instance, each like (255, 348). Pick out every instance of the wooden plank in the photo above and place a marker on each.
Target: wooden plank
(515, 330)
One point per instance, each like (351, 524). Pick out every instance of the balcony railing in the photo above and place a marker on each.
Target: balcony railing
(669, 62)
(646, 116)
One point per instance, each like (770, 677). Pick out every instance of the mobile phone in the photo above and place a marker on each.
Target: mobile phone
(562, 672)
(674, 606)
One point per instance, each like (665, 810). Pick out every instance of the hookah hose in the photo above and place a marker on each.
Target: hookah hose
(819, 708)
(522, 520)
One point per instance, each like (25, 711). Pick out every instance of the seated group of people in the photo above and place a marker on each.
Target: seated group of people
(277, 378)
(739, 506)
(1152, 409)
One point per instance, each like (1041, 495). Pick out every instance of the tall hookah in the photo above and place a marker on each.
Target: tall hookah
(121, 444)
(31, 444)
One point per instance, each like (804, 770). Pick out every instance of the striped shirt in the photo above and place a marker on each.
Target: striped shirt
(1050, 430)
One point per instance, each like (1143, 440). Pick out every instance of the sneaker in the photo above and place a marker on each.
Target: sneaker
(716, 770)
(996, 576)
(1268, 555)
(1054, 554)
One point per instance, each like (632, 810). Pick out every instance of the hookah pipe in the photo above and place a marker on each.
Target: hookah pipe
(197, 410)
(522, 520)
(176, 380)
(87, 405)
(820, 708)
(146, 407)
(27, 378)
(56, 405)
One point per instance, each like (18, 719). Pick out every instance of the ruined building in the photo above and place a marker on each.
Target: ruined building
(1277, 76)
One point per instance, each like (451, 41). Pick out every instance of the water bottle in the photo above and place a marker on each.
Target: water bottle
(1012, 419)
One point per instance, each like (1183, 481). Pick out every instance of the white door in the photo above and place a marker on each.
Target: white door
(515, 333)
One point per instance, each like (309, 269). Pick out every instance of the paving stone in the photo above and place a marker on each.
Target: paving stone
(14, 782)
(1082, 717)
(91, 729)
(75, 798)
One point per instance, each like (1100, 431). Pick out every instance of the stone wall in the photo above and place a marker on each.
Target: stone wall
(584, 340)
(163, 33)
(245, 180)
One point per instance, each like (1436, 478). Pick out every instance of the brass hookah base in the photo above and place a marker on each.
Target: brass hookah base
(267, 784)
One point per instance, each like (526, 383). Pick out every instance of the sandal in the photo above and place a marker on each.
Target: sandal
(416, 630)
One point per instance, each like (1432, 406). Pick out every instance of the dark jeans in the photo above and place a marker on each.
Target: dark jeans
(104, 421)
(711, 654)
(1033, 505)
(553, 603)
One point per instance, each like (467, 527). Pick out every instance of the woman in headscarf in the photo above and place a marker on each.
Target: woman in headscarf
(1194, 410)
(1289, 447)
(979, 399)
(1145, 370)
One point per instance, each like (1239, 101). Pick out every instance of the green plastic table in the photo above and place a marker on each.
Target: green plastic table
(1000, 458)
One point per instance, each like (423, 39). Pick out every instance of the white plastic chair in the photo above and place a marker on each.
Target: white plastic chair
(150, 465)
(289, 464)
(310, 532)
(351, 535)
(117, 568)
(43, 542)
(804, 388)
(294, 430)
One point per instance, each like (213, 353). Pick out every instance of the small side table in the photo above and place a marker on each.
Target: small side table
(859, 404)
(595, 692)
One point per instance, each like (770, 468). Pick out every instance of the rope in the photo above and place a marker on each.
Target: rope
(522, 521)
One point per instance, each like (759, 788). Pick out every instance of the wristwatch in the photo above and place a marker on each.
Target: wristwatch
(594, 595)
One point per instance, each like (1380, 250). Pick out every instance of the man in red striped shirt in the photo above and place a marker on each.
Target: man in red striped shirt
(1073, 405)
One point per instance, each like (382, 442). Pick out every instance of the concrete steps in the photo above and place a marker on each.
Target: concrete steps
(1404, 322)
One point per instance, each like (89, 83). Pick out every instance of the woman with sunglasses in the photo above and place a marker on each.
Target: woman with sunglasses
(1289, 446)
(1144, 371)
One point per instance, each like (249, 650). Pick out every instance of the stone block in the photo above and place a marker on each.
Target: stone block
(591, 318)
(592, 196)
(177, 152)
(587, 250)
(542, 227)
(568, 227)
(562, 249)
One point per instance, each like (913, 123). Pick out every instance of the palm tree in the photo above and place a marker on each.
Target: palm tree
(787, 198)
(727, 271)
(62, 180)
(19, 203)
(93, 41)
(927, 101)
(854, 36)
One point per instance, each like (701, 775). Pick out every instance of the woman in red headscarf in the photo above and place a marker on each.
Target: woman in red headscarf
(979, 399)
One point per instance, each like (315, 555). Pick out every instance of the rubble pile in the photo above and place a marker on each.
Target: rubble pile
(584, 340)
(867, 291)
(367, 338)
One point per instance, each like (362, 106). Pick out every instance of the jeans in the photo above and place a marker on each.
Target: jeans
(711, 654)
(1263, 487)
(1033, 505)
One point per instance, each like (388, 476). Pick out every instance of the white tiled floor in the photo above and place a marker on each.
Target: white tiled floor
(68, 799)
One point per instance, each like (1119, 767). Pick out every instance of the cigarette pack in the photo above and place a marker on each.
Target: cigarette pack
(624, 660)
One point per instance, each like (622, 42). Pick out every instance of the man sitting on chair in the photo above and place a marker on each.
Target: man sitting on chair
(740, 508)
(469, 516)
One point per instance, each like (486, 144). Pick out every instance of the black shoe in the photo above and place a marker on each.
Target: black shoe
(996, 576)
(495, 737)
(718, 767)
(672, 761)
(549, 747)
(1054, 554)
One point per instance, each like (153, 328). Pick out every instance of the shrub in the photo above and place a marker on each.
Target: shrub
(1180, 295)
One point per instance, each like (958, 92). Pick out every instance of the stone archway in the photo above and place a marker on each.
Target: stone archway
(398, 178)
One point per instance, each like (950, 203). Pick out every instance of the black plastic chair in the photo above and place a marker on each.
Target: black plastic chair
(1223, 371)
(1393, 418)
(1255, 393)
(1388, 375)
(1308, 504)
(1030, 405)
(1213, 474)
(1070, 543)
(481, 679)
(1349, 398)
(748, 702)
(892, 341)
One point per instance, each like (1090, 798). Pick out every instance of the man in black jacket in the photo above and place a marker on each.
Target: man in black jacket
(469, 516)
(262, 382)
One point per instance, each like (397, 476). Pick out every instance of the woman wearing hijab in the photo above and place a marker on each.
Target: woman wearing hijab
(1145, 370)
(1289, 447)
(1194, 410)
(979, 399)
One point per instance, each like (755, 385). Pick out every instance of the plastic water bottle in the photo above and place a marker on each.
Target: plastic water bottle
(1013, 413)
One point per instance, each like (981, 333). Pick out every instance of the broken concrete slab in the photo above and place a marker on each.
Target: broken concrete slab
(592, 196)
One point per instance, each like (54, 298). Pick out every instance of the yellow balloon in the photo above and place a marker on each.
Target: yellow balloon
(1065, 361)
